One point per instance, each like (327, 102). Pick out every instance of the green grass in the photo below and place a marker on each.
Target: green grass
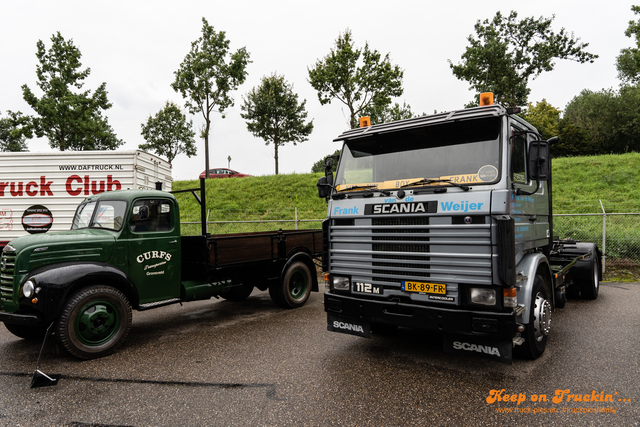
(579, 183)
(274, 197)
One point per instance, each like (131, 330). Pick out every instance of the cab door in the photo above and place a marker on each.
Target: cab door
(154, 249)
(529, 201)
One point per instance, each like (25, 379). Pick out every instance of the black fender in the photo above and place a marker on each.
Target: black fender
(583, 268)
(57, 281)
(301, 254)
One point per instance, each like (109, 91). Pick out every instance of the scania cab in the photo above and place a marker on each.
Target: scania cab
(444, 222)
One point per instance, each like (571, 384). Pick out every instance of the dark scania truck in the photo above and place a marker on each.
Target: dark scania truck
(124, 251)
(444, 222)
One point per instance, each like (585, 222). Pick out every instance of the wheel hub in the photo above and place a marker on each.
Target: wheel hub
(541, 317)
(298, 285)
(97, 323)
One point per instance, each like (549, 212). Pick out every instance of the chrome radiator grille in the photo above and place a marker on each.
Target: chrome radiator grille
(8, 261)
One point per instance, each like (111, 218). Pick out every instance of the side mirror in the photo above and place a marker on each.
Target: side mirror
(324, 188)
(328, 170)
(143, 213)
(539, 160)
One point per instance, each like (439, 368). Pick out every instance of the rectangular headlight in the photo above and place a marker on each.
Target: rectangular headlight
(483, 296)
(340, 283)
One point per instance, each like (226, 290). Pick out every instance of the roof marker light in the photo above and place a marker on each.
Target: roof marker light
(486, 98)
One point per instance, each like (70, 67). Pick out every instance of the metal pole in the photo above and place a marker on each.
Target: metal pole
(604, 237)
(296, 218)
(203, 206)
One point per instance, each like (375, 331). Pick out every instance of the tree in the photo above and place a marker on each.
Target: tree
(544, 117)
(14, 130)
(506, 53)
(574, 141)
(206, 76)
(319, 165)
(70, 119)
(357, 78)
(608, 121)
(628, 63)
(273, 113)
(388, 113)
(168, 133)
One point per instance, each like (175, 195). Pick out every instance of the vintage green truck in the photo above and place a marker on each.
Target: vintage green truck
(125, 251)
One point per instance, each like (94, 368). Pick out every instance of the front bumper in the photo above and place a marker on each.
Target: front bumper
(488, 332)
(19, 319)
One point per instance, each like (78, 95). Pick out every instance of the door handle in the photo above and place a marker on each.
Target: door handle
(174, 241)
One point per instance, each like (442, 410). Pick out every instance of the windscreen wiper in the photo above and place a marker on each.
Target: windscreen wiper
(368, 190)
(425, 181)
(360, 187)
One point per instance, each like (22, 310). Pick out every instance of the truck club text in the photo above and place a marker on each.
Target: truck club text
(74, 185)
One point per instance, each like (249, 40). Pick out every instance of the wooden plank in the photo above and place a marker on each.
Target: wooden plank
(249, 247)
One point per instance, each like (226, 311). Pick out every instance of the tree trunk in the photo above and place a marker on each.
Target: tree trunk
(206, 146)
(276, 157)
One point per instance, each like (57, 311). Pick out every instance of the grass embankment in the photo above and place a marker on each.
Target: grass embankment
(261, 198)
(579, 184)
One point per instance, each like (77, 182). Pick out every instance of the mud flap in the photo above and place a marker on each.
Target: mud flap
(344, 325)
(501, 351)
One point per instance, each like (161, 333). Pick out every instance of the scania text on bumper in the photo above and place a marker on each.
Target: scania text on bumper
(484, 333)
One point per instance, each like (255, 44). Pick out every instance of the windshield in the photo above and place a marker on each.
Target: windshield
(104, 214)
(465, 152)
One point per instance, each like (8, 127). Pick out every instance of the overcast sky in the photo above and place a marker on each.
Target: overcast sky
(135, 47)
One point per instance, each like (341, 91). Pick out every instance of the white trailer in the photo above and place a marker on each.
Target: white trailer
(39, 192)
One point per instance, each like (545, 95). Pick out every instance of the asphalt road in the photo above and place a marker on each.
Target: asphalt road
(216, 363)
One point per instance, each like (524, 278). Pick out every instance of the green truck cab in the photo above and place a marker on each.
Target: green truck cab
(125, 251)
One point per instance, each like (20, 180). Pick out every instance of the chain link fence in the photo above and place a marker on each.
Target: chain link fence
(231, 227)
(617, 234)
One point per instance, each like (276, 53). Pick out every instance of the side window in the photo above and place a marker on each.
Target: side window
(151, 215)
(83, 216)
(109, 214)
(518, 157)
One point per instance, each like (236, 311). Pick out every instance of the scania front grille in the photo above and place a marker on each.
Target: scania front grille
(386, 251)
(7, 264)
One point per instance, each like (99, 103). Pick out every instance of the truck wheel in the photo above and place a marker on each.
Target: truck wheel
(94, 322)
(238, 293)
(27, 332)
(589, 281)
(536, 332)
(295, 288)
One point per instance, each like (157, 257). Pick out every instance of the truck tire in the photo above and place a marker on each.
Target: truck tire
(589, 279)
(27, 332)
(536, 332)
(94, 322)
(238, 293)
(295, 288)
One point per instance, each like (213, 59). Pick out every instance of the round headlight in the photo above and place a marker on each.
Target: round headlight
(28, 289)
